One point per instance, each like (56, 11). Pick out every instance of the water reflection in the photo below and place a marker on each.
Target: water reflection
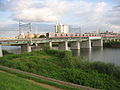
(75, 52)
(99, 54)
(12, 49)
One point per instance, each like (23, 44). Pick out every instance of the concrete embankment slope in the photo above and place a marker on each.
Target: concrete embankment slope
(47, 79)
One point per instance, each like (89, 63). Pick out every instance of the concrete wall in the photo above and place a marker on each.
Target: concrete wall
(97, 43)
(63, 45)
(42, 45)
(1, 54)
(85, 44)
(75, 45)
(25, 48)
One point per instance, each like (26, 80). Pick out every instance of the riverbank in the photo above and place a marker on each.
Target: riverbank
(63, 66)
(112, 44)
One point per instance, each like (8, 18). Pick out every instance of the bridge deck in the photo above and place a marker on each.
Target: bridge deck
(46, 40)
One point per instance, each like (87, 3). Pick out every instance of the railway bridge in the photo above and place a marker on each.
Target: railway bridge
(76, 43)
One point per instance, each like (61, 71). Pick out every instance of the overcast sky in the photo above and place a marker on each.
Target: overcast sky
(90, 15)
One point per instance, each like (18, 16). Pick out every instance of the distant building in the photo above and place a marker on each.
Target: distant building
(108, 32)
(60, 28)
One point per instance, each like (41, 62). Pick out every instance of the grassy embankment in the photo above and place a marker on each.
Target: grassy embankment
(63, 66)
(9, 82)
(37, 80)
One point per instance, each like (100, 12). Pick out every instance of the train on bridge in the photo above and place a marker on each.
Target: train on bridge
(75, 35)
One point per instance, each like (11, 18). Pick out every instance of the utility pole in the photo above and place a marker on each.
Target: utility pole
(80, 34)
(80, 30)
(36, 29)
(29, 24)
(19, 27)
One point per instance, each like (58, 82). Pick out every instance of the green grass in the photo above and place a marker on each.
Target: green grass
(38, 80)
(63, 66)
(8, 82)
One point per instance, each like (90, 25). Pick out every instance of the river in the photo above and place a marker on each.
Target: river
(111, 55)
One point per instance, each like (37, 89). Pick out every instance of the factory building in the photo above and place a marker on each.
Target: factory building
(60, 28)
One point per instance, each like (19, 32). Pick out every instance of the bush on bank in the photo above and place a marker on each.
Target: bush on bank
(114, 44)
(62, 65)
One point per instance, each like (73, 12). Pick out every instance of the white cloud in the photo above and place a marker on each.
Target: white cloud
(51, 10)
(37, 15)
(75, 11)
(26, 10)
(113, 16)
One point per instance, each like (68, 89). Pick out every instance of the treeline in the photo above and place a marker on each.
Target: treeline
(63, 66)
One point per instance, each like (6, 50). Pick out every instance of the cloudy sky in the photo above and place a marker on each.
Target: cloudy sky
(90, 15)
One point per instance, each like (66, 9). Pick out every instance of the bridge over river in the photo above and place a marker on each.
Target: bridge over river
(76, 43)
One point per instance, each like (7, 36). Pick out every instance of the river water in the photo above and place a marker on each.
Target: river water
(111, 55)
(108, 55)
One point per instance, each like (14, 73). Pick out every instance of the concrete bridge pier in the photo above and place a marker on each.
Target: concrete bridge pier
(25, 48)
(97, 43)
(85, 44)
(1, 54)
(50, 44)
(75, 45)
(118, 40)
(36, 44)
(42, 45)
(63, 45)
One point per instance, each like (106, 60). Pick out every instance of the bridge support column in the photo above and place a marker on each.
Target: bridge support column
(118, 40)
(1, 54)
(50, 44)
(85, 44)
(25, 48)
(63, 45)
(42, 45)
(36, 44)
(97, 43)
(75, 45)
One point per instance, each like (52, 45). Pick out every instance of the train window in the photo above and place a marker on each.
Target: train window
(61, 35)
(66, 35)
(71, 34)
(52, 34)
(83, 34)
(76, 35)
(55, 34)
